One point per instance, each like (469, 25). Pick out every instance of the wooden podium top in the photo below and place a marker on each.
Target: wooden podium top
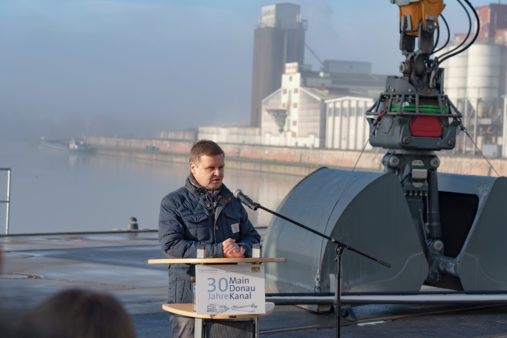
(214, 260)
(187, 309)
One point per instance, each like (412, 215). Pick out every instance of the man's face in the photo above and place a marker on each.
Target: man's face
(208, 171)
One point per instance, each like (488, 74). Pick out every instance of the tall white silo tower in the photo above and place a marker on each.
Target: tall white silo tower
(483, 73)
(456, 77)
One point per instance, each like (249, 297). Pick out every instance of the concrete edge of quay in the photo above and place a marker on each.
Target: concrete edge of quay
(286, 160)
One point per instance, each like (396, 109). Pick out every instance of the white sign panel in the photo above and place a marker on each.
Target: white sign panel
(229, 289)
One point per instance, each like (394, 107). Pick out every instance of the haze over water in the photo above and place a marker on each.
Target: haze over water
(53, 191)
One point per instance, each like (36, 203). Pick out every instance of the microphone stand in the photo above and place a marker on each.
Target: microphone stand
(339, 251)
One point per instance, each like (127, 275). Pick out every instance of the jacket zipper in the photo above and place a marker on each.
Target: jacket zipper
(219, 207)
(214, 227)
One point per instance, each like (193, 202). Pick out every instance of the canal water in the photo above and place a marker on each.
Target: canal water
(53, 191)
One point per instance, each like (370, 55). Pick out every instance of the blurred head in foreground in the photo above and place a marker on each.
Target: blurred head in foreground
(79, 314)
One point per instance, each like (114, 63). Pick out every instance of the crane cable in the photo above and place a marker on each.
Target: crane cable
(314, 54)
(376, 124)
(445, 56)
(467, 35)
(465, 130)
(455, 52)
(448, 36)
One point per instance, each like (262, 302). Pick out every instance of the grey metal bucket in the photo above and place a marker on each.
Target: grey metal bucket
(369, 211)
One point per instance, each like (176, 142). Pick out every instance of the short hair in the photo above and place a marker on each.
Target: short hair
(204, 147)
(77, 313)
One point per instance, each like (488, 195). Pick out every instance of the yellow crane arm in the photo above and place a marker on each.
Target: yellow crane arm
(416, 14)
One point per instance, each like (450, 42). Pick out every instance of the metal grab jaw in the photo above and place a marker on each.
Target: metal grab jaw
(436, 229)
(414, 122)
(371, 211)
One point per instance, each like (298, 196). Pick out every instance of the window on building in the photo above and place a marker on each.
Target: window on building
(293, 134)
(285, 90)
(294, 123)
(330, 111)
(295, 90)
(295, 105)
(290, 78)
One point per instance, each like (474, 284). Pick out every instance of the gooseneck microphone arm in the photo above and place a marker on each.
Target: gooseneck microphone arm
(335, 241)
(254, 206)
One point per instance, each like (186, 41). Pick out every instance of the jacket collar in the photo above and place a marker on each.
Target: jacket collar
(193, 186)
(211, 199)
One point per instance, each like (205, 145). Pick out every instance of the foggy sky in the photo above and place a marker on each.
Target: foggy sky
(133, 68)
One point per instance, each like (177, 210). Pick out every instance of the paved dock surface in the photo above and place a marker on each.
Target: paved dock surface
(36, 267)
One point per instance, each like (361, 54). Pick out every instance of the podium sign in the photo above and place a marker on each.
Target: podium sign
(229, 289)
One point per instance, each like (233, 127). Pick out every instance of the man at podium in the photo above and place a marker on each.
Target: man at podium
(205, 212)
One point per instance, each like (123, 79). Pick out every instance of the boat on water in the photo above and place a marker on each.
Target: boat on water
(73, 146)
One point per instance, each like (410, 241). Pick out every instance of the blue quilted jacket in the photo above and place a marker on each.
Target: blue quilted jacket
(188, 218)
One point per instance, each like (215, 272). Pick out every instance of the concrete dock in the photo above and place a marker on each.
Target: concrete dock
(38, 266)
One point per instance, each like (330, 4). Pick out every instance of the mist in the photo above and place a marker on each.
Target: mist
(134, 68)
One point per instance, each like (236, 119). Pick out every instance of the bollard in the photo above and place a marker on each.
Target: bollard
(133, 226)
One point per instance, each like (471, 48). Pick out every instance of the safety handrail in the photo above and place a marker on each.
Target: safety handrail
(7, 200)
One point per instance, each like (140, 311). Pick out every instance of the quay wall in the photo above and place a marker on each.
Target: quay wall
(299, 161)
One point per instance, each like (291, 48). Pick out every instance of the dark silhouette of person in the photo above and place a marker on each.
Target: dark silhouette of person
(77, 313)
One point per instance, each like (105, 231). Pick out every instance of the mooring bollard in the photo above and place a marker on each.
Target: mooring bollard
(133, 226)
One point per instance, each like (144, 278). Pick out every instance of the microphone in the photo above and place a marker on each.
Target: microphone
(245, 199)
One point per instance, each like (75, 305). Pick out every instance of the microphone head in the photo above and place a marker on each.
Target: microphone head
(237, 192)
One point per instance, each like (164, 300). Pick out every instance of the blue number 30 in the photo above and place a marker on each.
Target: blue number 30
(211, 284)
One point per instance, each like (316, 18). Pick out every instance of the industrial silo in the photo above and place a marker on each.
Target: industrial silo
(483, 80)
(456, 77)
(279, 39)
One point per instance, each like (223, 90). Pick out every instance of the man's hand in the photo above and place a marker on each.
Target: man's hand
(231, 249)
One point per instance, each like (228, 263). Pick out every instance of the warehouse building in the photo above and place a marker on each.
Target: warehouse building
(330, 114)
(346, 125)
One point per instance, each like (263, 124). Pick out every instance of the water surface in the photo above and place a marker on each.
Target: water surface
(53, 191)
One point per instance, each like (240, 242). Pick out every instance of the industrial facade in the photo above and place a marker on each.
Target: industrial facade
(475, 81)
(322, 117)
(346, 125)
(295, 106)
(293, 115)
(311, 109)
(279, 39)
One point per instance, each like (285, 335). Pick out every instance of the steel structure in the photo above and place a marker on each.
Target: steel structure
(441, 230)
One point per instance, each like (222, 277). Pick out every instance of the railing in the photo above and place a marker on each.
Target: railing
(7, 200)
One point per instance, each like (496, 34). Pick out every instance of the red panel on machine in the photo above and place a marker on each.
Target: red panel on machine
(428, 126)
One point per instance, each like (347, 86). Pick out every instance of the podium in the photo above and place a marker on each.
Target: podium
(226, 300)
